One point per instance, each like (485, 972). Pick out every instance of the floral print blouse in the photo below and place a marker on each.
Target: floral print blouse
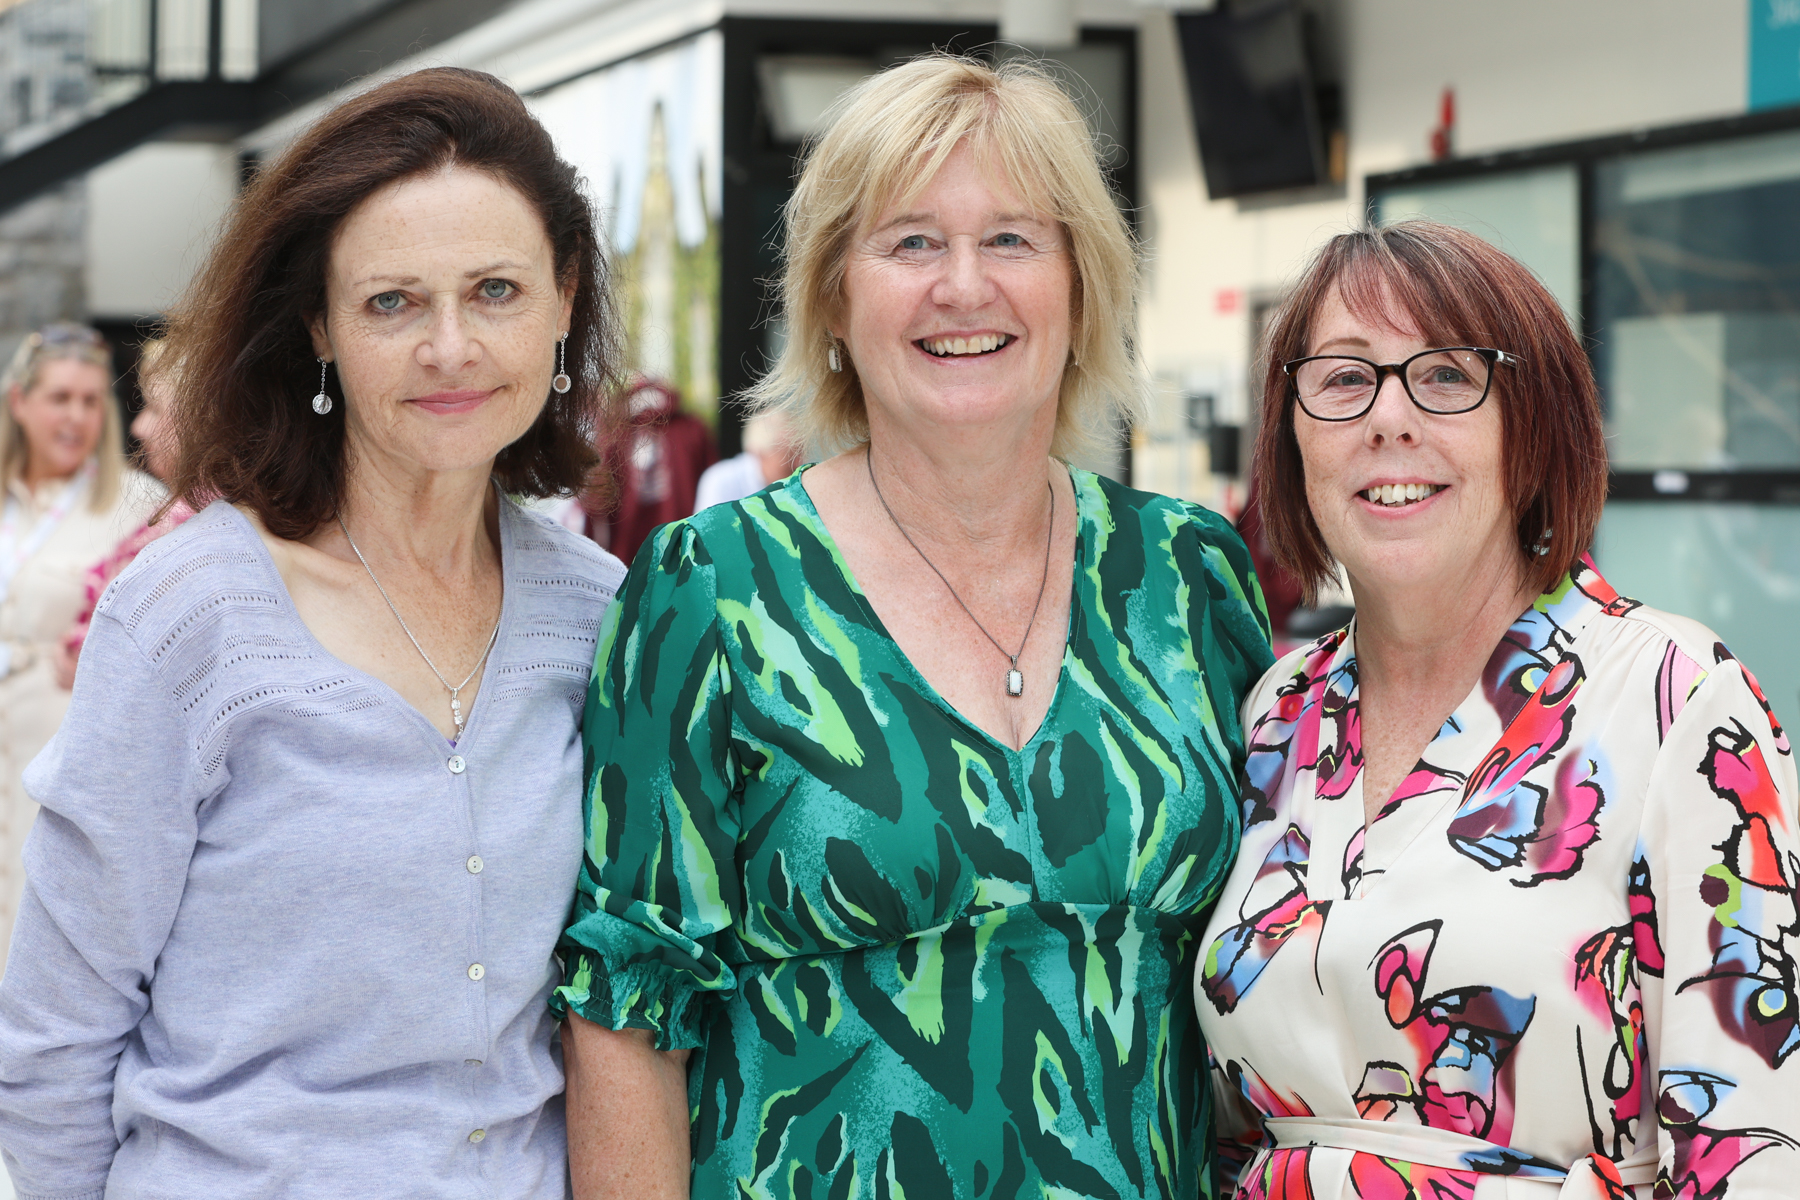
(1563, 953)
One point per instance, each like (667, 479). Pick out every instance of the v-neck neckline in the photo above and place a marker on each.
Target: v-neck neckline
(508, 589)
(795, 483)
(1554, 606)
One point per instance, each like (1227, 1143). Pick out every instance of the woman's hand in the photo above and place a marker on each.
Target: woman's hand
(627, 1113)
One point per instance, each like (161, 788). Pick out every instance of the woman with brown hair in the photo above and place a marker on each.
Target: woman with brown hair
(68, 496)
(309, 828)
(1515, 910)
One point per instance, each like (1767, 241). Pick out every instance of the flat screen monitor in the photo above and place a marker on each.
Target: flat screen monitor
(1255, 103)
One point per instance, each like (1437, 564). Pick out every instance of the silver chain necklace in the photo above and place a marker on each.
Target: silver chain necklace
(1015, 679)
(455, 690)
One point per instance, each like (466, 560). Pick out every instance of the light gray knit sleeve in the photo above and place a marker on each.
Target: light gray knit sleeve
(105, 868)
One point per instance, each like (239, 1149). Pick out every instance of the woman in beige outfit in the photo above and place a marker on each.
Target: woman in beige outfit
(68, 500)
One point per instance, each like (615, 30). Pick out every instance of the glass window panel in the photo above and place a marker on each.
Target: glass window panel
(1734, 567)
(1532, 215)
(1697, 305)
(1718, 167)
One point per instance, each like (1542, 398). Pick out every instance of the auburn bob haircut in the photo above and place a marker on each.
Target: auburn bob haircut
(238, 343)
(1459, 291)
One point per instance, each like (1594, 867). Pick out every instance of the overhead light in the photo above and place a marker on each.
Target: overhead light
(799, 90)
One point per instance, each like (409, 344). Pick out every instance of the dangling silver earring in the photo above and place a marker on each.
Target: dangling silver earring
(321, 402)
(1542, 546)
(562, 383)
(833, 358)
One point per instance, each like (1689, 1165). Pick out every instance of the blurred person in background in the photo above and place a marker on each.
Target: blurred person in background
(310, 824)
(69, 499)
(770, 455)
(154, 429)
(1515, 910)
(655, 458)
(913, 774)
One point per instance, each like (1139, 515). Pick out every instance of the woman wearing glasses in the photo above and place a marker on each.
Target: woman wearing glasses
(69, 498)
(1516, 900)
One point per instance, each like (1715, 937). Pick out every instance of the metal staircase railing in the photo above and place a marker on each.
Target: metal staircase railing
(82, 81)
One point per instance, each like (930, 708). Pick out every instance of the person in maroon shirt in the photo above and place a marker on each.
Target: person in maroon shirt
(656, 460)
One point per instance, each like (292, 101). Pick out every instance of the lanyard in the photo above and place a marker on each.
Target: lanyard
(15, 553)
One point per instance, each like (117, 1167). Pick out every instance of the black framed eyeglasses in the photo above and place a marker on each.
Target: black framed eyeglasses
(1445, 381)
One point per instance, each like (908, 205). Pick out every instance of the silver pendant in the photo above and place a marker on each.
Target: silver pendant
(321, 403)
(1015, 683)
(561, 384)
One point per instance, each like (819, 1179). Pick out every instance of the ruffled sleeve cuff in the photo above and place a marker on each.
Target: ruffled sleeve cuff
(633, 997)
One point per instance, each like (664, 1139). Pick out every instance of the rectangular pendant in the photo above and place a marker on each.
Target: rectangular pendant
(1015, 683)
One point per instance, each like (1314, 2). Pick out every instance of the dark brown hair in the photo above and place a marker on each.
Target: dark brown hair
(239, 339)
(1460, 291)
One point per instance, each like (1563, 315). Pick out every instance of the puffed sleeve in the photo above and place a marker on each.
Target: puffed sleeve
(1230, 630)
(657, 881)
(1718, 867)
(105, 869)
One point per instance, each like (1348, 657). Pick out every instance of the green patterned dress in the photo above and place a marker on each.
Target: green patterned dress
(912, 961)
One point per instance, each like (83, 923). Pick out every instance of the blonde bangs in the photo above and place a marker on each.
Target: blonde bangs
(1024, 128)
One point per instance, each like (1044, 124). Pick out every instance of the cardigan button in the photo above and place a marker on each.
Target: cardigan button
(456, 764)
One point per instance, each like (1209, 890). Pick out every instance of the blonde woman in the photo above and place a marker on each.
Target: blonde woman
(911, 777)
(69, 499)
(153, 427)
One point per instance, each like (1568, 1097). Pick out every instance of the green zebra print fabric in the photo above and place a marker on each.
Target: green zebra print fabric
(913, 962)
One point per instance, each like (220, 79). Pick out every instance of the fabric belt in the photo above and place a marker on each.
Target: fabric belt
(1586, 1179)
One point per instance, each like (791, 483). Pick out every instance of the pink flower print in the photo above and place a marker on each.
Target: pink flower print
(1273, 910)
(1606, 978)
(1676, 680)
(1464, 1039)
(1265, 1099)
(1281, 1175)
(1782, 746)
(1506, 822)
(1377, 1178)
(1752, 980)
(1704, 1158)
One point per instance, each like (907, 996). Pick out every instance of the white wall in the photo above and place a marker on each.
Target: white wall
(1534, 71)
(152, 213)
(1526, 72)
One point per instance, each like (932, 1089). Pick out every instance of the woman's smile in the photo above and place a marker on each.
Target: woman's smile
(461, 400)
(1390, 496)
(965, 345)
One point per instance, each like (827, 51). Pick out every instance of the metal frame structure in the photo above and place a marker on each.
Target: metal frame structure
(214, 108)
